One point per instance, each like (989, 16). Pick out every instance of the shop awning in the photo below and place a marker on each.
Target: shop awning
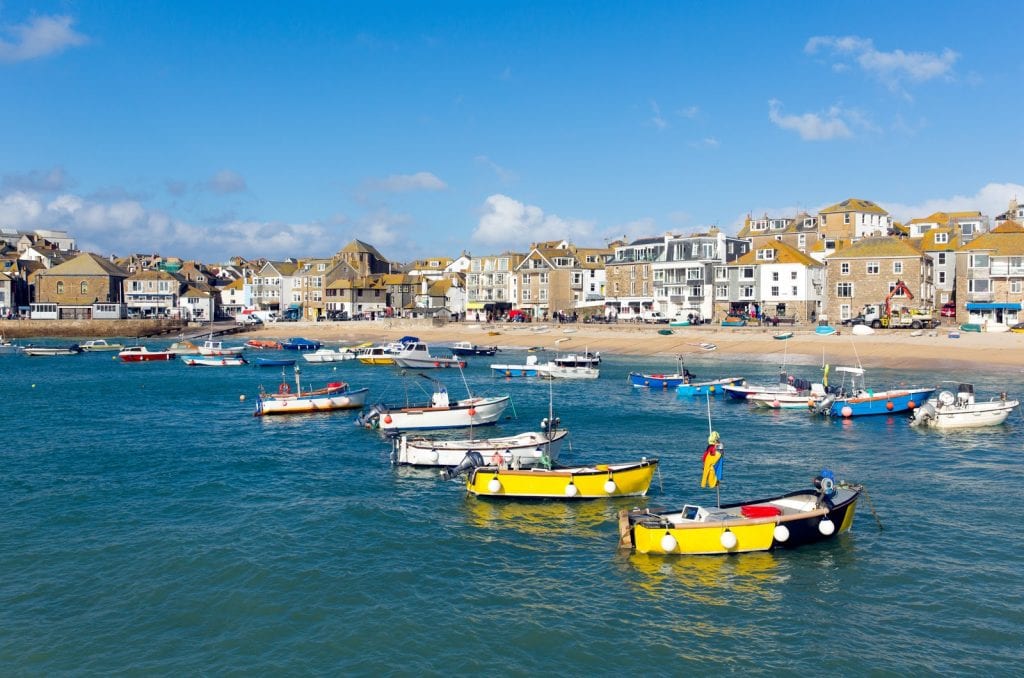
(993, 306)
(474, 305)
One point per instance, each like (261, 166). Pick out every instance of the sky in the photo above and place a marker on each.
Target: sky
(208, 130)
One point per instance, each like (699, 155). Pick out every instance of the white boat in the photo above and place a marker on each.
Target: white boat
(139, 354)
(947, 410)
(183, 347)
(529, 369)
(47, 351)
(335, 396)
(553, 370)
(214, 347)
(6, 347)
(328, 355)
(215, 361)
(585, 359)
(788, 401)
(439, 412)
(417, 355)
(101, 345)
(525, 450)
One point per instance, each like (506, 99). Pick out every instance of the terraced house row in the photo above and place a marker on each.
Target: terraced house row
(797, 268)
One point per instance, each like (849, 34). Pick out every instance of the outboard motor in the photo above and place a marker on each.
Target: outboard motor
(825, 484)
(826, 404)
(368, 418)
(923, 414)
(472, 460)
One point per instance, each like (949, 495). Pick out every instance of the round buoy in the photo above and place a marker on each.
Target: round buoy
(776, 404)
(609, 486)
(911, 405)
(571, 490)
(889, 405)
(827, 527)
(668, 543)
(847, 411)
(810, 402)
(781, 533)
(242, 397)
(494, 485)
(472, 411)
(33, 385)
(508, 373)
(387, 418)
(728, 539)
(711, 389)
(437, 364)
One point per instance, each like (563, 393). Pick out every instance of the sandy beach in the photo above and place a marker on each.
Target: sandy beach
(886, 348)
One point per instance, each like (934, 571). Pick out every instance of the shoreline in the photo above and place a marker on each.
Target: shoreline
(884, 349)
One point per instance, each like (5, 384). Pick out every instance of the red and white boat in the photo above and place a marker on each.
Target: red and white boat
(138, 354)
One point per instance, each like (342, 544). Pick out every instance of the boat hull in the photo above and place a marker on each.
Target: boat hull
(341, 400)
(745, 391)
(712, 387)
(520, 451)
(40, 351)
(514, 370)
(976, 415)
(782, 401)
(146, 357)
(212, 361)
(552, 371)
(570, 484)
(656, 381)
(429, 363)
(880, 402)
(465, 413)
(800, 513)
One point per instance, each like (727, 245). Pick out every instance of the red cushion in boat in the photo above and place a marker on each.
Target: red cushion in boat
(760, 511)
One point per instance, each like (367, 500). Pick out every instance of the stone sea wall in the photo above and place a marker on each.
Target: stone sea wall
(17, 329)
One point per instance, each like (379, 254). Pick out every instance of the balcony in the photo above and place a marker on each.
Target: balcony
(981, 296)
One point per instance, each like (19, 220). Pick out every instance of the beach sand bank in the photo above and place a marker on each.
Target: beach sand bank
(933, 350)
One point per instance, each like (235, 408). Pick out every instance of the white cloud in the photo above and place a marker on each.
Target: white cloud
(991, 199)
(505, 221)
(658, 120)
(403, 183)
(39, 37)
(811, 126)
(54, 179)
(892, 68)
(707, 142)
(506, 176)
(381, 227)
(690, 112)
(631, 230)
(226, 181)
(128, 225)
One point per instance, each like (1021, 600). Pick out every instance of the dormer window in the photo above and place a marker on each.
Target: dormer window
(941, 238)
(766, 254)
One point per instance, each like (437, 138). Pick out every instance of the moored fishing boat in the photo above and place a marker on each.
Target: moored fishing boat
(702, 387)
(554, 370)
(469, 348)
(49, 351)
(523, 450)
(215, 361)
(600, 481)
(260, 344)
(784, 521)
(853, 399)
(659, 380)
(439, 412)
(788, 401)
(7, 347)
(300, 344)
(328, 355)
(274, 362)
(528, 369)
(97, 345)
(183, 347)
(335, 396)
(417, 355)
(375, 355)
(141, 354)
(215, 347)
(949, 411)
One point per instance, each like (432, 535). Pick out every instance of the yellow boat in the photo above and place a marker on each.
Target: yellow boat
(786, 521)
(581, 482)
(375, 355)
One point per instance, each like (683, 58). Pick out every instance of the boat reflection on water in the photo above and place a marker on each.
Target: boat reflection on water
(550, 520)
(710, 580)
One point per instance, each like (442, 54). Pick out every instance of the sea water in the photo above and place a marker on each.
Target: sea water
(150, 524)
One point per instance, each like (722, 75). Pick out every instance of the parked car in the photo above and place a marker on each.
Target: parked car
(855, 320)
(337, 315)
(948, 309)
(248, 320)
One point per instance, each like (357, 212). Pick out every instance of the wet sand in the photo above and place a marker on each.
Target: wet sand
(933, 349)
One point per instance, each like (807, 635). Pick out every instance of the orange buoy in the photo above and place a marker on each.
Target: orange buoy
(889, 405)
(472, 411)
(911, 405)
(387, 418)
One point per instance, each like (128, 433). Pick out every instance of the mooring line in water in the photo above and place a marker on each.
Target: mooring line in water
(871, 506)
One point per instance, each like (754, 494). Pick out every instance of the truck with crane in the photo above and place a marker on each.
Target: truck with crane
(885, 316)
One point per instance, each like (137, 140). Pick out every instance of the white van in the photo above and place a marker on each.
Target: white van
(253, 317)
(653, 317)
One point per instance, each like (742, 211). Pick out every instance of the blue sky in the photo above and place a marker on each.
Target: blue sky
(207, 130)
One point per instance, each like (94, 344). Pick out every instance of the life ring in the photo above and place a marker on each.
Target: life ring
(827, 486)
(497, 459)
(284, 389)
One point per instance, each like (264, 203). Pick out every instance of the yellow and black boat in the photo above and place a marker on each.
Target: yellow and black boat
(785, 521)
(600, 481)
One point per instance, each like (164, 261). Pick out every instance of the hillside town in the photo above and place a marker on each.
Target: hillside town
(844, 262)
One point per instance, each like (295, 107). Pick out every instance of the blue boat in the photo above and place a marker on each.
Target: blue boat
(824, 330)
(523, 370)
(734, 321)
(702, 387)
(275, 362)
(661, 381)
(300, 344)
(852, 399)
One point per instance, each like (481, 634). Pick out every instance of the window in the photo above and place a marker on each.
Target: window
(978, 261)
(941, 238)
(1015, 286)
(526, 295)
(775, 290)
(746, 291)
(632, 288)
(792, 275)
(60, 287)
(967, 229)
(844, 290)
(978, 285)
(544, 278)
(794, 291)
(84, 287)
(892, 286)
(766, 254)
(941, 258)
(844, 268)
(694, 274)
(721, 291)
(775, 276)
(897, 267)
(844, 311)
(872, 268)
(632, 272)
(577, 278)
(846, 217)
(543, 295)
(801, 241)
(942, 278)
(747, 273)
(721, 273)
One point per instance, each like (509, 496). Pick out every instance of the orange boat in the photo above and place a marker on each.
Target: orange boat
(263, 344)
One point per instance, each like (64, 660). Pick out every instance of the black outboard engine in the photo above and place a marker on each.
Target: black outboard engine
(472, 460)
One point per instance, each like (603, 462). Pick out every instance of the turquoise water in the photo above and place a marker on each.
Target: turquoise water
(150, 524)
